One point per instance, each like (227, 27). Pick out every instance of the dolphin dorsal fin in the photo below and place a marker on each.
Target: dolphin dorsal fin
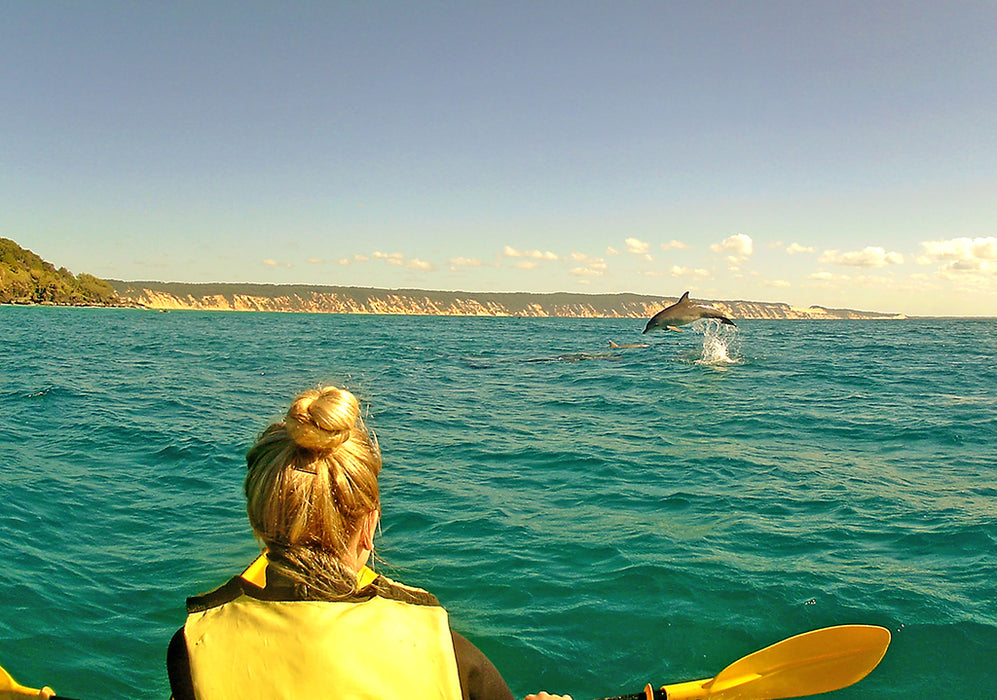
(685, 297)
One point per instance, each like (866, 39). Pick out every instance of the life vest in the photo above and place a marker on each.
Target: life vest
(243, 646)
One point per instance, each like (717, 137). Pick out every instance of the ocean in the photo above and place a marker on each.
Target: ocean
(593, 519)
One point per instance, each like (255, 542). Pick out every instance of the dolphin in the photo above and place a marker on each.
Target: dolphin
(617, 346)
(682, 312)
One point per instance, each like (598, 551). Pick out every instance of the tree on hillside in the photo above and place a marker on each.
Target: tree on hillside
(26, 278)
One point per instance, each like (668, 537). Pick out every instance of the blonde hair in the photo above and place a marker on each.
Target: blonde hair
(310, 481)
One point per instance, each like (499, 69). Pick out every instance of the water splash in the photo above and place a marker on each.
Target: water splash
(720, 343)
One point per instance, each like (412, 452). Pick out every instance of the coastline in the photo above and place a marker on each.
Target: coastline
(169, 296)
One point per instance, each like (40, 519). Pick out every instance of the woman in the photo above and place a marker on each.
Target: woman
(323, 624)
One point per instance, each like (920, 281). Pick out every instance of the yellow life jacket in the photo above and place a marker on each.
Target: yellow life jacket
(379, 648)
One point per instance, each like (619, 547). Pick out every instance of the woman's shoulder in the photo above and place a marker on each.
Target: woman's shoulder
(384, 587)
(225, 593)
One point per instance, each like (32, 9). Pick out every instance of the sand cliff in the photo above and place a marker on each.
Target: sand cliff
(358, 300)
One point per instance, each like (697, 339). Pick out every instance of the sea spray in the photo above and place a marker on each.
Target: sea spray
(720, 343)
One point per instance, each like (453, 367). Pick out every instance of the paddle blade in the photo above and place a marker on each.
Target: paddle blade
(814, 662)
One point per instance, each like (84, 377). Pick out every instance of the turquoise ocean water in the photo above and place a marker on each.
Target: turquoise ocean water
(593, 519)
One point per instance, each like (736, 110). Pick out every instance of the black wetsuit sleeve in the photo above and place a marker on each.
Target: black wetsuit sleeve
(479, 679)
(178, 668)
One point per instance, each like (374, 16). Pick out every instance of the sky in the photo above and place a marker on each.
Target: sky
(842, 154)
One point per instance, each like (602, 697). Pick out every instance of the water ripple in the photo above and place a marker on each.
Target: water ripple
(593, 520)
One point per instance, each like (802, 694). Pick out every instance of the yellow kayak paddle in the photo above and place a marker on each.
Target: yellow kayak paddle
(807, 664)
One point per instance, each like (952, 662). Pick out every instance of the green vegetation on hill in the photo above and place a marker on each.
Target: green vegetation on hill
(27, 279)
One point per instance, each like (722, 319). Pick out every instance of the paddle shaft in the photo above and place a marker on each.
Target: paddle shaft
(660, 694)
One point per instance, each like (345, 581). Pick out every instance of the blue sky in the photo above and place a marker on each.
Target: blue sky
(833, 153)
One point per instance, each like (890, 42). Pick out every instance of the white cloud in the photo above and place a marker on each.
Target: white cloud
(796, 249)
(637, 246)
(464, 262)
(675, 245)
(316, 261)
(779, 284)
(868, 257)
(959, 250)
(584, 272)
(417, 264)
(969, 266)
(594, 267)
(390, 258)
(739, 245)
(678, 271)
(526, 264)
(273, 263)
(610, 250)
(396, 259)
(511, 252)
(969, 260)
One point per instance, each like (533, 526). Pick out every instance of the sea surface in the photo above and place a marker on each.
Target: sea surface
(593, 518)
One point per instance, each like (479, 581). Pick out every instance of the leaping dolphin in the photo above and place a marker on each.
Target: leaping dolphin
(682, 312)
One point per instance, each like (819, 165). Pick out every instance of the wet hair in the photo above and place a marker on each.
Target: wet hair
(310, 481)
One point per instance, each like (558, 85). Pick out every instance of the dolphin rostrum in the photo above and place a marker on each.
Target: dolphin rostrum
(682, 312)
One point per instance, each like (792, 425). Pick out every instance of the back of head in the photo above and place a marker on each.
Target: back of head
(311, 479)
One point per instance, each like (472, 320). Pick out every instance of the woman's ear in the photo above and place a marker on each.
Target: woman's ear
(368, 528)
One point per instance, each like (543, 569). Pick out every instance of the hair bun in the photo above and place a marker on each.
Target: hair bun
(322, 420)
